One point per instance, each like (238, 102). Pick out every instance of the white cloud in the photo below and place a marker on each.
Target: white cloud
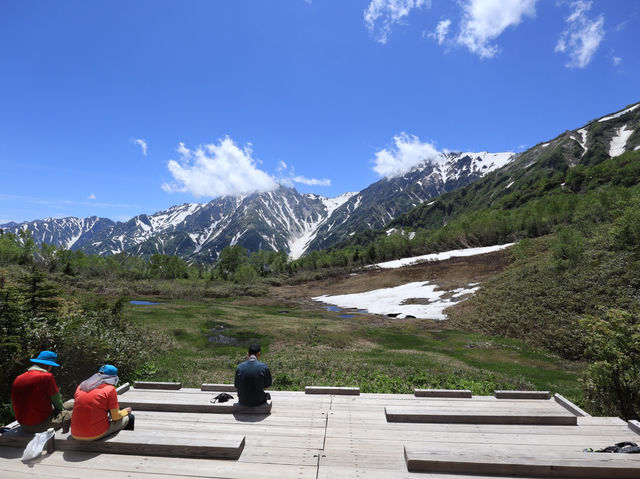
(288, 177)
(217, 170)
(442, 30)
(141, 142)
(92, 196)
(484, 20)
(616, 60)
(583, 35)
(380, 15)
(409, 151)
(311, 181)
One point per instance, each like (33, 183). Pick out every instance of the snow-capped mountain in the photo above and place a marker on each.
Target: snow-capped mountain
(285, 220)
(601, 139)
(379, 203)
(67, 232)
(281, 220)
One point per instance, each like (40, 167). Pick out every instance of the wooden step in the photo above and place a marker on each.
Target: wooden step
(198, 404)
(522, 394)
(141, 443)
(467, 416)
(504, 463)
(442, 393)
(16, 437)
(157, 385)
(338, 391)
(229, 388)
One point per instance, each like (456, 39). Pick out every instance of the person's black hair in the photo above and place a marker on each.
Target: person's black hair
(254, 349)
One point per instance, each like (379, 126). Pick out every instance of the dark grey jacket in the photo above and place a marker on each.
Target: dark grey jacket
(252, 377)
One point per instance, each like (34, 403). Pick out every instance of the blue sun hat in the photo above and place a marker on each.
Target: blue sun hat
(46, 357)
(109, 369)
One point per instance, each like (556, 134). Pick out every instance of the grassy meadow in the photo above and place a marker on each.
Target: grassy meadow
(306, 345)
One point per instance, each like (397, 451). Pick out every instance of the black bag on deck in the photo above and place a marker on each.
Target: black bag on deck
(222, 397)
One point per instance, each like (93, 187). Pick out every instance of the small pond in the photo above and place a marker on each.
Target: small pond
(145, 303)
(347, 313)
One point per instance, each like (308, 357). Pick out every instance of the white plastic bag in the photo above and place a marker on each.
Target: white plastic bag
(36, 445)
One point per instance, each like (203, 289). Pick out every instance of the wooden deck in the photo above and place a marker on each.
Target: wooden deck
(324, 436)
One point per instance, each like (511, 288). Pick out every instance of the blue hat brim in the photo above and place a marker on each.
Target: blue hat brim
(44, 361)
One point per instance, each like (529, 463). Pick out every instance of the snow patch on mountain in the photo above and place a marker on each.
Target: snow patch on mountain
(298, 244)
(619, 114)
(173, 216)
(400, 301)
(618, 142)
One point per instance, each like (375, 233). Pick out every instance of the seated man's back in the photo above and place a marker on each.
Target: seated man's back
(252, 377)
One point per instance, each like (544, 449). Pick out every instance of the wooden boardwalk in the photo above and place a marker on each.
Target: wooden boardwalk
(313, 436)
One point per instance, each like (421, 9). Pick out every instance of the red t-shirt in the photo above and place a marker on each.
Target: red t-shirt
(90, 410)
(31, 396)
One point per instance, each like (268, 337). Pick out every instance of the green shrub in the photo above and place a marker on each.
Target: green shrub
(612, 382)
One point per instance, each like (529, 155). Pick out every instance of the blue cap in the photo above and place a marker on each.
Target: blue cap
(46, 357)
(109, 369)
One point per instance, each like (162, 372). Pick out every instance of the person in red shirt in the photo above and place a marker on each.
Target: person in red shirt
(95, 400)
(35, 398)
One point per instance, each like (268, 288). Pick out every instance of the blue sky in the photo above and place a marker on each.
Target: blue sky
(117, 108)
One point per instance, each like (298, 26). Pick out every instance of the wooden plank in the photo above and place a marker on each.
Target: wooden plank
(17, 437)
(219, 387)
(156, 385)
(442, 393)
(451, 416)
(123, 389)
(110, 466)
(522, 394)
(166, 445)
(569, 406)
(501, 462)
(204, 406)
(338, 391)
(634, 426)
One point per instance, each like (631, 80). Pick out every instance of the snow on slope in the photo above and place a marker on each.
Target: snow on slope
(481, 162)
(173, 216)
(619, 114)
(456, 253)
(616, 147)
(391, 300)
(298, 244)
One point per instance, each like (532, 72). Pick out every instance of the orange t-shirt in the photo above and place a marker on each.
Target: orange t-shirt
(90, 411)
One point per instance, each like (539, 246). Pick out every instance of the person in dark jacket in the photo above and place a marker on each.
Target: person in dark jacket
(252, 378)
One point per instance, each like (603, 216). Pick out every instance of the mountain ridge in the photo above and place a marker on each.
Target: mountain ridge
(286, 220)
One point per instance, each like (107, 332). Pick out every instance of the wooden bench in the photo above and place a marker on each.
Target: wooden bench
(569, 406)
(229, 388)
(470, 416)
(142, 443)
(196, 405)
(522, 394)
(16, 437)
(138, 443)
(339, 391)
(157, 385)
(442, 393)
(502, 462)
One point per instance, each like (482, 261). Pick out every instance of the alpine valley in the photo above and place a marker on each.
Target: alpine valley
(285, 220)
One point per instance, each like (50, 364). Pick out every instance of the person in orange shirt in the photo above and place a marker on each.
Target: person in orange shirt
(95, 400)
